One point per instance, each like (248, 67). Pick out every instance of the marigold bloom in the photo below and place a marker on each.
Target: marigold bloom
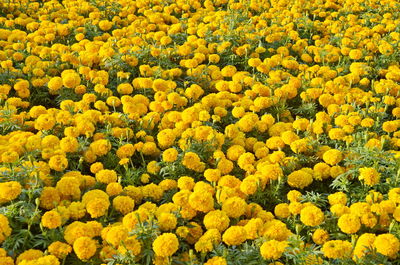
(85, 247)
(165, 245)
(273, 249)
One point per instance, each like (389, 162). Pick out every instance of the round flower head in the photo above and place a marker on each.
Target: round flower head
(370, 176)
(332, 157)
(349, 223)
(234, 235)
(216, 261)
(59, 249)
(9, 191)
(273, 249)
(51, 219)
(165, 245)
(234, 207)
(320, 236)
(85, 247)
(123, 204)
(364, 245)
(311, 216)
(5, 229)
(216, 219)
(337, 249)
(388, 245)
(299, 179)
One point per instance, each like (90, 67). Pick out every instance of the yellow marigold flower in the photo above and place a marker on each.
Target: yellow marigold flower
(152, 191)
(201, 201)
(167, 221)
(9, 157)
(225, 166)
(337, 198)
(100, 147)
(9, 191)
(311, 216)
(186, 183)
(131, 219)
(367, 122)
(125, 88)
(106, 176)
(365, 244)
(272, 171)
(294, 196)
(336, 133)
(58, 162)
(49, 259)
(228, 71)
(212, 175)
(369, 220)
(5, 229)
(70, 78)
(115, 235)
(59, 249)
(97, 207)
(234, 207)
(77, 210)
(320, 236)
(321, 171)
(273, 249)
(85, 247)
(130, 244)
(105, 25)
(246, 162)
(234, 152)
(374, 197)
(28, 255)
(254, 228)
(360, 208)
(247, 122)
(337, 249)
(51, 219)
(114, 188)
(50, 198)
(216, 261)
(385, 48)
(69, 186)
(282, 210)
(250, 185)
(394, 195)
(153, 167)
(69, 144)
(369, 175)
(390, 126)
(6, 260)
(123, 204)
(216, 220)
(55, 84)
(165, 245)
(349, 223)
(234, 235)
(332, 157)
(192, 161)
(299, 179)
(170, 155)
(301, 124)
(203, 245)
(388, 245)
(45, 122)
(355, 54)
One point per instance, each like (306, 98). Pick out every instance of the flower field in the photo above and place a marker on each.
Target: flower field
(188, 132)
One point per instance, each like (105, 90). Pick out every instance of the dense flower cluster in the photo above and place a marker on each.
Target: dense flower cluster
(199, 132)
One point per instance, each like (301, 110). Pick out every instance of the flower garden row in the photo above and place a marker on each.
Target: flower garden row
(199, 132)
